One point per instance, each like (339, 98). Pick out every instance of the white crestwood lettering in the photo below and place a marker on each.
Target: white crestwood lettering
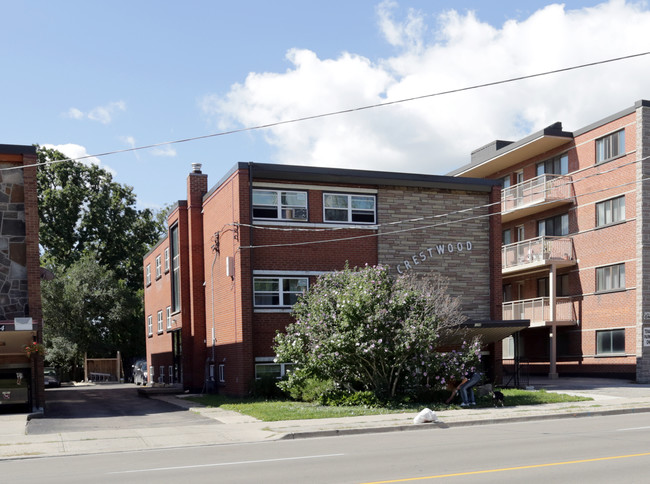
(428, 253)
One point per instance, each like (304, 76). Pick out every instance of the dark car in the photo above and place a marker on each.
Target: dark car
(140, 372)
(51, 380)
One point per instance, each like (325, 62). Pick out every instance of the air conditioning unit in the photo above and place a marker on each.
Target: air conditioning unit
(294, 213)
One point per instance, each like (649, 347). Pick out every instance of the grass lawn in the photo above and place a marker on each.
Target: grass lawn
(273, 410)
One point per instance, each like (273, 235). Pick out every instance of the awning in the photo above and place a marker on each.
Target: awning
(489, 331)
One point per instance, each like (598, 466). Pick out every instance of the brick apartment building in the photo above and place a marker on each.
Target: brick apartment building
(221, 283)
(21, 375)
(576, 255)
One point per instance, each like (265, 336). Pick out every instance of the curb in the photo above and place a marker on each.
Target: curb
(461, 423)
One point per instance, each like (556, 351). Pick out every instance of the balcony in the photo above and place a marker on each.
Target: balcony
(536, 253)
(535, 195)
(538, 311)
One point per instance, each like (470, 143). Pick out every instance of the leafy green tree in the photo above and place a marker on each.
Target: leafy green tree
(362, 329)
(82, 210)
(87, 309)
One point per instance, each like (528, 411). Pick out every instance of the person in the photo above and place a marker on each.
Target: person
(466, 388)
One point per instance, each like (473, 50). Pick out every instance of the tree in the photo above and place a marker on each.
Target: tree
(87, 309)
(365, 330)
(82, 209)
(93, 238)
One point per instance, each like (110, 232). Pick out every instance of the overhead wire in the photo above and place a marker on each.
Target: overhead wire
(334, 113)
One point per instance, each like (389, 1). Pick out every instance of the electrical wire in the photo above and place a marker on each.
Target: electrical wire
(335, 113)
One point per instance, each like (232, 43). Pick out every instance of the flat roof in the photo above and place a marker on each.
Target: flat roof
(18, 149)
(299, 173)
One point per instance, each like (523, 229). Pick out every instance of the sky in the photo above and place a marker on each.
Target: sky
(97, 77)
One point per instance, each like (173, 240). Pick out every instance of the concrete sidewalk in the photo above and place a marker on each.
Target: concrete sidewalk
(610, 397)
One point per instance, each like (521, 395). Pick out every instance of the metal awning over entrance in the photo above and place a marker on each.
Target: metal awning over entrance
(488, 331)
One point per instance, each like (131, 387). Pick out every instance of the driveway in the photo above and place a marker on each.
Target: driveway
(108, 407)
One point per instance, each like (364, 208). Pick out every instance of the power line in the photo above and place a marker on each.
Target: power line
(337, 113)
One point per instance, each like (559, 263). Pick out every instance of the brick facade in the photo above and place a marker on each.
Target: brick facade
(224, 249)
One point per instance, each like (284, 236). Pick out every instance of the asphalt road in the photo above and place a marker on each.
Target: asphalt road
(99, 407)
(594, 450)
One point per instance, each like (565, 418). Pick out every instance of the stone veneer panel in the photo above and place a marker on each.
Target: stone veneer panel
(13, 265)
(455, 245)
(643, 242)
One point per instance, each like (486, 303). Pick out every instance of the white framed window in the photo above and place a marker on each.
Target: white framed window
(222, 373)
(166, 260)
(160, 322)
(272, 370)
(170, 370)
(610, 146)
(278, 291)
(610, 211)
(555, 166)
(508, 347)
(610, 342)
(150, 325)
(161, 374)
(280, 205)
(169, 317)
(158, 267)
(506, 181)
(346, 208)
(147, 274)
(151, 374)
(610, 278)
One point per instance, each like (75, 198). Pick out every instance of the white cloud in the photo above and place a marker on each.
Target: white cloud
(102, 114)
(437, 134)
(79, 153)
(165, 150)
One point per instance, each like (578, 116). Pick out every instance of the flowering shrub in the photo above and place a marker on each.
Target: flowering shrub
(34, 348)
(365, 330)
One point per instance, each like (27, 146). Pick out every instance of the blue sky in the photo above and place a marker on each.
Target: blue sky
(94, 77)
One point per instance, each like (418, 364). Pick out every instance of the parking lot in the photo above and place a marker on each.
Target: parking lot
(108, 406)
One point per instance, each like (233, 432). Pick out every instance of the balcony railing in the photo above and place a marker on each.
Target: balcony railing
(538, 251)
(538, 310)
(541, 189)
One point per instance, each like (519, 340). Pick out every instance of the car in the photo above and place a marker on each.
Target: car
(140, 372)
(50, 378)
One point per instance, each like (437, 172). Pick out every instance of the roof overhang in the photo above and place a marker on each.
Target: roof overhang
(486, 161)
(487, 331)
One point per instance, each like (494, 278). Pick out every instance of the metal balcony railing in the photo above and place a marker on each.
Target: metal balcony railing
(538, 310)
(541, 189)
(537, 251)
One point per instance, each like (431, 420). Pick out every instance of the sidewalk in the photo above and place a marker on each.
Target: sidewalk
(609, 397)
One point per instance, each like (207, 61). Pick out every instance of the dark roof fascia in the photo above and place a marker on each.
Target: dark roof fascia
(153, 249)
(551, 130)
(17, 149)
(297, 173)
(612, 117)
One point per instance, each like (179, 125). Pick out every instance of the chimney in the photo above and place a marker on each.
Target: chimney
(196, 167)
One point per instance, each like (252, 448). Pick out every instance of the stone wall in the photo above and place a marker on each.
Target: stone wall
(434, 236)
(13, 257)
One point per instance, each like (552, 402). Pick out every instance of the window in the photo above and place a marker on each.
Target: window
(610, 278)
(507, 237)
(169, 317)
(505, 181)
(151, 374)
(150, 325)
(555, 166)
(508, 347)
(170, 370)
(167, 260)
(160, 322)
(279, 205)
(158, 268)
(610, 342)
(176, 268)
(349, 208)
(222, 373)
(271, 370)
(553, 226)
(610, 211)
(278, 291)
(561, 286)
(147, 274)
(610, 146)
